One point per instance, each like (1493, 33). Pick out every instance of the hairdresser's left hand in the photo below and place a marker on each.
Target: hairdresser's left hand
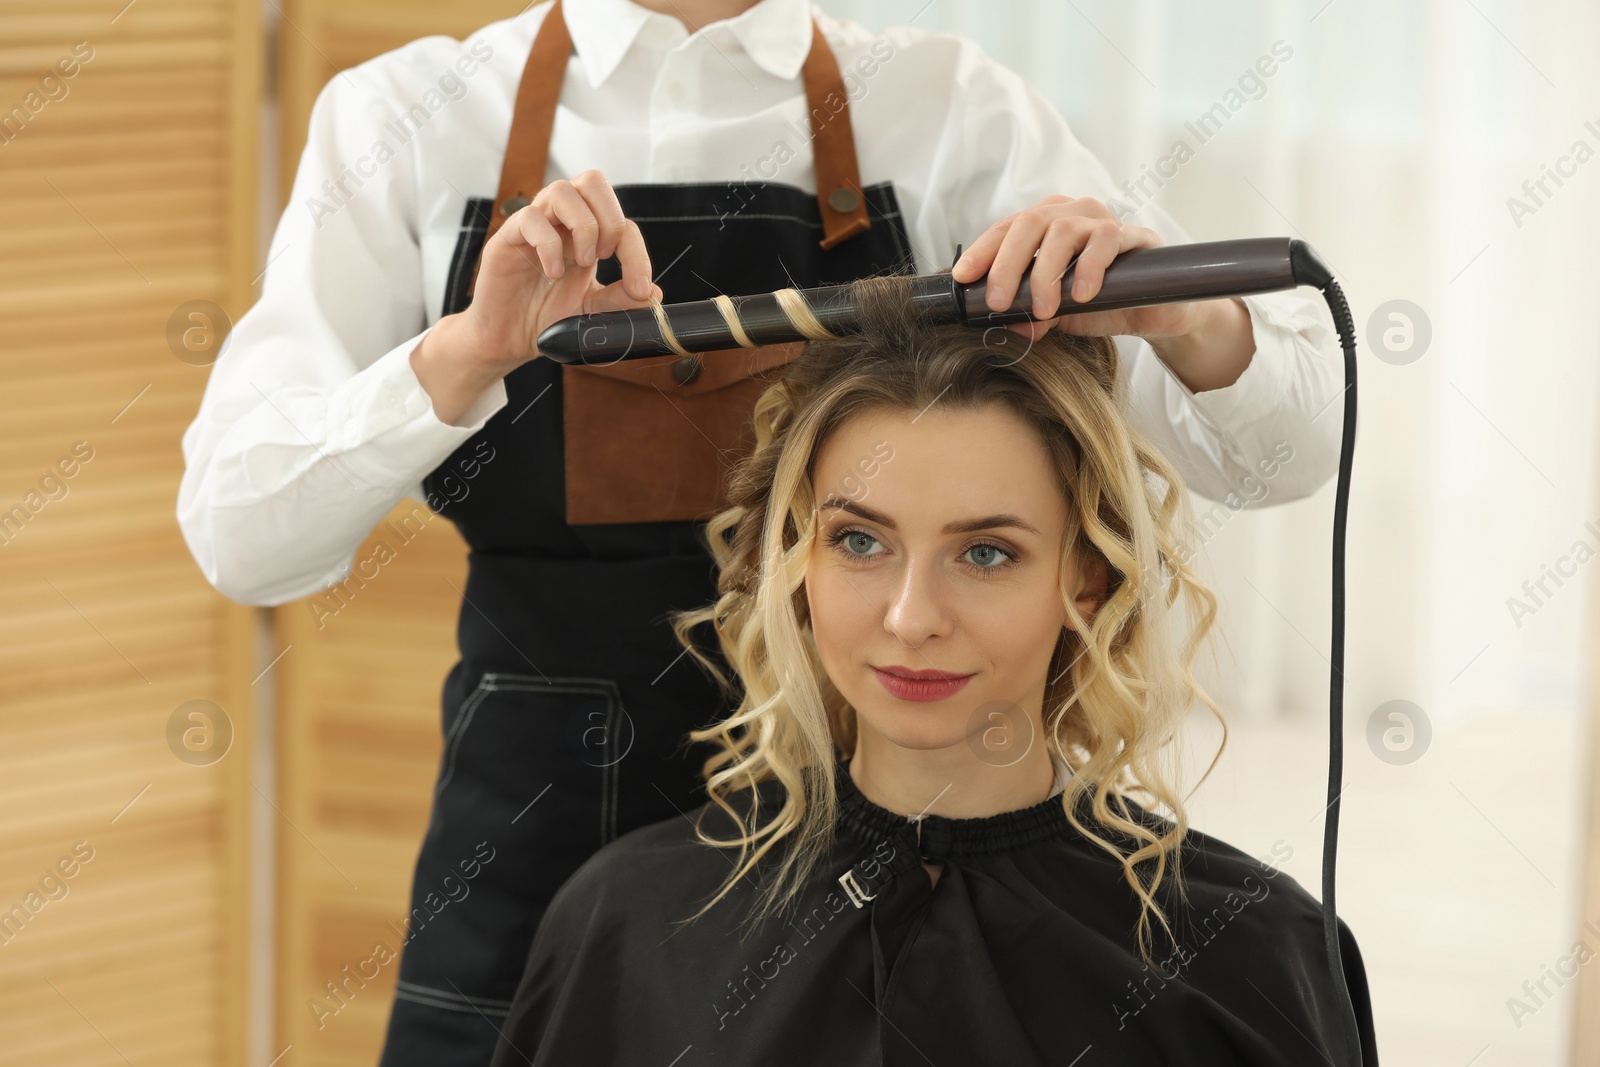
(1207, 343)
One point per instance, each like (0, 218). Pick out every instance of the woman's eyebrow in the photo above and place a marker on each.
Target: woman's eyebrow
(988, 522)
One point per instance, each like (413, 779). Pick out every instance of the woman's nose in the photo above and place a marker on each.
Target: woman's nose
(919, 606)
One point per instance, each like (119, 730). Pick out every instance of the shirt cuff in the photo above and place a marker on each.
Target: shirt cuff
(388, 401)
(1261, 386)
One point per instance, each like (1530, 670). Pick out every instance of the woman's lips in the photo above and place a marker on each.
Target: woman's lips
(936, 685)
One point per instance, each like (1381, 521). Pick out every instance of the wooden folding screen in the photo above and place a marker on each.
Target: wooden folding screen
(128, 196)
(359, 730)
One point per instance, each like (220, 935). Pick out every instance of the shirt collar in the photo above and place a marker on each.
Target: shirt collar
(775, 33)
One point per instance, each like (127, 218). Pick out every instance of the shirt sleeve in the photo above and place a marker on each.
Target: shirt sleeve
(313, 425)
(1271, 436)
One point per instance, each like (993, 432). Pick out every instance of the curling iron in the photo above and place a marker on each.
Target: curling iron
(1138, 277)
(1135, 278)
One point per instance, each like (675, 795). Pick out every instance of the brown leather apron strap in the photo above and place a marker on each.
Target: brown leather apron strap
(839, 197)
(833, 145)
(532, 121)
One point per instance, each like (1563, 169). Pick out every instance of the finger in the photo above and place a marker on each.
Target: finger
(975, 260)
(1139, 237)
(562, 203)
(635, 260)
(1130, 237)
(1015, 255)
(979, 258)
(1089, 207)
(1062, 239)
(615, 297)
(528, 226)
(596, 191)
(1105, 241)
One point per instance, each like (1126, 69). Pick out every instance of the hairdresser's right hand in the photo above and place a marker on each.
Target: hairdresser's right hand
(537, 269)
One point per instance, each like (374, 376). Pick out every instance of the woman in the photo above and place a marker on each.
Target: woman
(950, 581)
(576, 151)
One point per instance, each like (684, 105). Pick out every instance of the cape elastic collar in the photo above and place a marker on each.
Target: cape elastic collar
(939, 837)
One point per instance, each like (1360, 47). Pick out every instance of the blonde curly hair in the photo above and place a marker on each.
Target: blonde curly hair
(1118, 687)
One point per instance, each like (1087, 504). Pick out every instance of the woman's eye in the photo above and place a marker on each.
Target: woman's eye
(986, 556)
(858, 543)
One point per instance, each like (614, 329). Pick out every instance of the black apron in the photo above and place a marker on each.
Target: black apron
(565, 718)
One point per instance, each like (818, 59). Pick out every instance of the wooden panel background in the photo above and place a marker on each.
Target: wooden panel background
(319, 37)
(126, 190)
(359, 728)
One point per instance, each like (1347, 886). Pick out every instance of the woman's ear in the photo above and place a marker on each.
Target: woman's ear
(1091, 589)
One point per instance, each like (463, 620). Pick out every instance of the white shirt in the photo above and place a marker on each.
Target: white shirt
(313, 424)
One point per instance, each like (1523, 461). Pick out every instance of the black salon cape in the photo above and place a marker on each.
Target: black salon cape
(1023, 953)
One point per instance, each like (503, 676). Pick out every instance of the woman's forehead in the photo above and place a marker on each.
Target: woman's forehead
(940, 465)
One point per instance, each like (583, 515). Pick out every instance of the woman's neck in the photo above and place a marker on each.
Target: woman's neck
(697, 13)
(953, 782)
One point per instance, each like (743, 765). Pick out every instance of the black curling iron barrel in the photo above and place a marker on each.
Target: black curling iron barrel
(1205, 270)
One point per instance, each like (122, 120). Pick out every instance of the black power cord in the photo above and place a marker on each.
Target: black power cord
(1341, 507)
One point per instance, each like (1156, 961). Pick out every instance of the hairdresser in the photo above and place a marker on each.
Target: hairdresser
(455, 197)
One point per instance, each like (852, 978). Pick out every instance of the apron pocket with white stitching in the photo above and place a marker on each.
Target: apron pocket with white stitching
(527, 792)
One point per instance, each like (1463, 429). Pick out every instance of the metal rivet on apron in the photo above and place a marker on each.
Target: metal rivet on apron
(686, 369)
(844, 199)
(513, 204)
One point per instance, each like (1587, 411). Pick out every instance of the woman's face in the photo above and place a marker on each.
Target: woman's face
(938, 552)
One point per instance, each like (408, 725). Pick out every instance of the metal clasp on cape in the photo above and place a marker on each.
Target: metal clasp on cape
(853, 890)
(873, 870)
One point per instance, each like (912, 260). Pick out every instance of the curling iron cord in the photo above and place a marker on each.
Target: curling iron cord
(1341, 506)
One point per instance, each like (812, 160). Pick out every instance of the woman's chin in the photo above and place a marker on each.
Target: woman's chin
(915, 726)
